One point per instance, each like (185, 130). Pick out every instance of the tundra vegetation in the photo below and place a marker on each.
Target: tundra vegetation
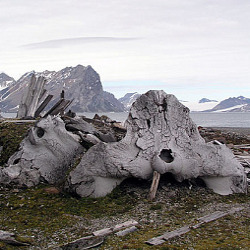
(47, 217)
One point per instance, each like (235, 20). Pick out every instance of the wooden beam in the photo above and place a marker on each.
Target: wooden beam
(154, 185)
(60, 105)
(185, 229)
(110, 230)
(43, 105)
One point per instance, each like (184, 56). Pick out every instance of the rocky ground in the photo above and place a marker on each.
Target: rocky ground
(47, 218)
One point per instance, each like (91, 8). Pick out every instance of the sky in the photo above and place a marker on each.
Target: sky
(189, 48)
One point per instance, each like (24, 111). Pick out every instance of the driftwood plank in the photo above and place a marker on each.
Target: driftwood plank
(43, 105)
(103, 232)
(210, 217)
(126, 231)
(83, 243)
(155, 241)
(175, 233)
(59, 106)
(178, 232)
(125, 224)
(110, 230)
(97, 237)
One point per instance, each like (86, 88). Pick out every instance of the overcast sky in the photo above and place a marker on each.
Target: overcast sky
(190, 48)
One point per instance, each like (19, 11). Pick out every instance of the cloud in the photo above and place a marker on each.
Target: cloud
(76, 41)
(181, 43)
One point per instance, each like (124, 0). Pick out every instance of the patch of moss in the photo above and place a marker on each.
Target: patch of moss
(39, 214)
(230, 232)
(156, 206)
(11, 135)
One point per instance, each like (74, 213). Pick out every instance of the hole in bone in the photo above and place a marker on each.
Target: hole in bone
(148, 122)
(40, 132)
(166, 156)
(16, 161)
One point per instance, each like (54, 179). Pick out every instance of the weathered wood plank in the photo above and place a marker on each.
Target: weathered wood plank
(211, 217)
(125, 224)
(83, 243)
(103, 232)
(60, 105)
(155, 241)
(110, 230)
(43, 105)
(126, 231)
(183, 230)
(175, 233)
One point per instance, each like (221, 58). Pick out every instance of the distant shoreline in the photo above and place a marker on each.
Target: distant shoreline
(238, 130)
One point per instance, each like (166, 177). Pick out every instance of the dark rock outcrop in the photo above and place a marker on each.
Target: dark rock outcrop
(80, 83)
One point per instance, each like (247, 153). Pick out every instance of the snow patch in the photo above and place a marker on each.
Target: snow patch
(196, 106)
(231, 108)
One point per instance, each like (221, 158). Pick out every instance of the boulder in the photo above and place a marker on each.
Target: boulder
(160, 137)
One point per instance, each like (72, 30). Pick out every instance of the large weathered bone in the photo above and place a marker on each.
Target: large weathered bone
(34, 94)
(45, 155)
(162, 137)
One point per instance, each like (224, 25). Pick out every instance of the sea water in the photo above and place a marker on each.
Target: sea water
(204, 119)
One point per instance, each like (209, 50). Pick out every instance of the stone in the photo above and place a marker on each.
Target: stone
(160, 137)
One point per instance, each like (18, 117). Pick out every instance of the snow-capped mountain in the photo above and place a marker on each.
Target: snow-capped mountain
(129, 99)
(204, 100)
(5, 83)
(80, 83)
(232, 104)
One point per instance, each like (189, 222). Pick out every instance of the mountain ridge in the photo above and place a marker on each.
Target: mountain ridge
(80, 83)
(232, 104)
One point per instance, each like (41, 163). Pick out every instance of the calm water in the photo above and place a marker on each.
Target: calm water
(201, 119)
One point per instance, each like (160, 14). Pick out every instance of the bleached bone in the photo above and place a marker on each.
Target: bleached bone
(45, 155)
(160, 136)
(35, 93)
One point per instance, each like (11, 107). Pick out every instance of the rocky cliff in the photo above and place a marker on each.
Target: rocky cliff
(82, 84)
